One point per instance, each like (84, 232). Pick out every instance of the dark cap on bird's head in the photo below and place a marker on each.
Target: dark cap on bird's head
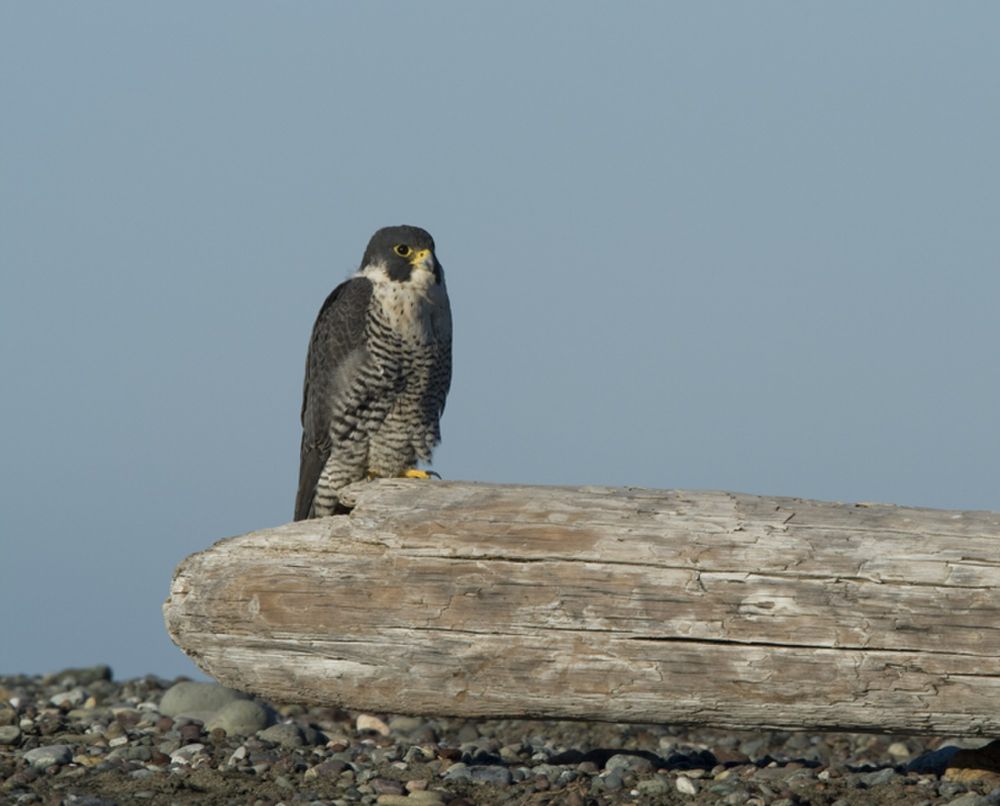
(401, 250)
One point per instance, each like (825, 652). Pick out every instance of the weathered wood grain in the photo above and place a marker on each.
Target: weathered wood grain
(638, 605)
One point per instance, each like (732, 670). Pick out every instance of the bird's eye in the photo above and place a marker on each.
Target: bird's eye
(402, 250)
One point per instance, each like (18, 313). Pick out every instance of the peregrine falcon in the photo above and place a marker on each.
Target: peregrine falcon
(377, 371)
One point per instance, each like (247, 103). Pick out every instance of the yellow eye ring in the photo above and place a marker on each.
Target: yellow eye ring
(402, 250)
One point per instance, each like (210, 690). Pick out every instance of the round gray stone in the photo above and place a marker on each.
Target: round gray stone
(624, 761)
(406, 724)
(878, 777)
(286, 735)
(73, 697)
(457, 772)
(190, 698)
(48, 755)
(418, 754)
(9, 734)
(948, 789)
(240, 718)
(490, 774)
(612, 780)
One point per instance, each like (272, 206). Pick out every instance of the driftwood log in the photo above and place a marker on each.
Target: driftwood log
(633, 605)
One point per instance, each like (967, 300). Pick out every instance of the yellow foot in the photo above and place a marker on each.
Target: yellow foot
(413, 473)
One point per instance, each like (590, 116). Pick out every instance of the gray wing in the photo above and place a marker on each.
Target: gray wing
(440, 377)
(338, 337)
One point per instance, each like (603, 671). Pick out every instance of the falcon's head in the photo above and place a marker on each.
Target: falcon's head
(402, 252)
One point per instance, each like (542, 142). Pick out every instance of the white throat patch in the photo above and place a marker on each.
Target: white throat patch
(416, 309)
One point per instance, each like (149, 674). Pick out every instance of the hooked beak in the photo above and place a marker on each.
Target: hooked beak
(424, 259)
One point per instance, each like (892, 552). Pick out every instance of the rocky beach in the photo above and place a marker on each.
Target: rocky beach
(81, 737)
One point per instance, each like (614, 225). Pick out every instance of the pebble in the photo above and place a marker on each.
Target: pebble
(48, 755)
(387, 786)
(457, 772)
(968, 775)
(59, 732)
(686, 785)
(73, 697)
(405, 724)
(417, 754)
(367, 722)
(9, 734)
(878, 778)
(899, 750)
(183, 755)
(621, 761)
(332, 767)
(612, 781)
(197, 700)
(240, 718)
(285, 734)
(500, 776)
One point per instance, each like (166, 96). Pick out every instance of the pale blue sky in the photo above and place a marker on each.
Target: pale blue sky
(743, 246)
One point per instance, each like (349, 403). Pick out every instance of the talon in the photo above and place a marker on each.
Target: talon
(413, 473)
